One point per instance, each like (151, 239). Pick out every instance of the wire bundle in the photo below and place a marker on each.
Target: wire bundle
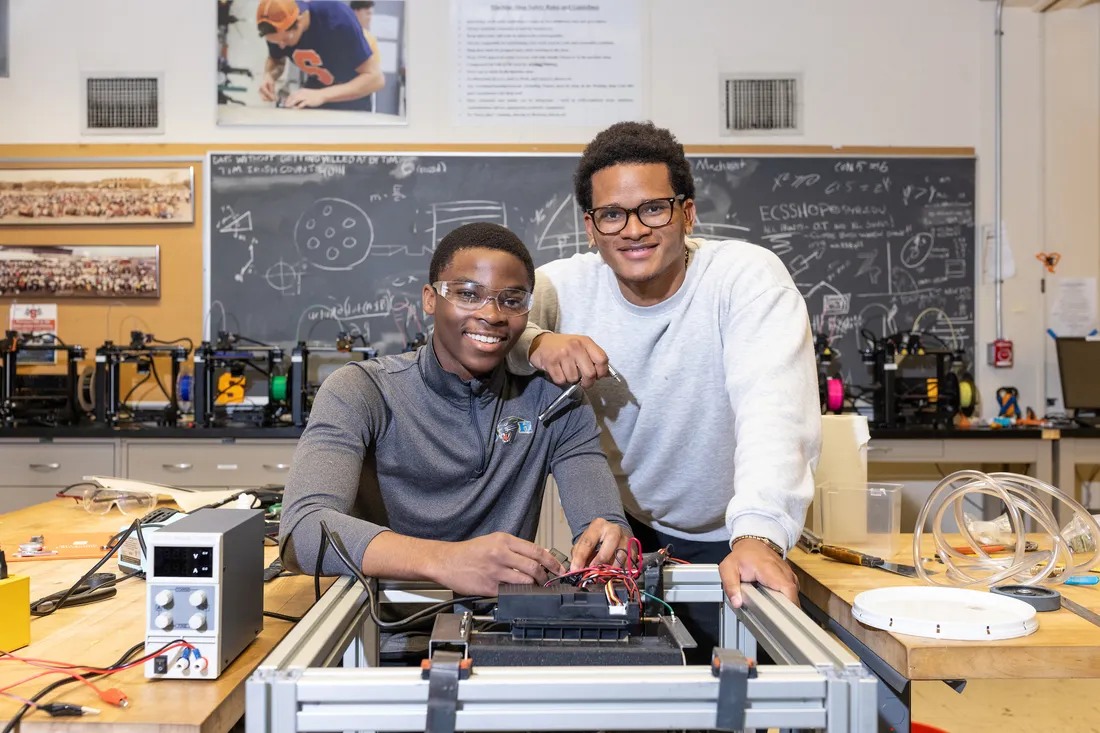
(627, 573)
(77, 673)
(1022, 495)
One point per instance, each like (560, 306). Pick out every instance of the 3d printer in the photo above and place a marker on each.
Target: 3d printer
(220, 382)
(45, 399)
(913, 385)
(142, 351)
(830, 384)
(302, 389)
(602, 616)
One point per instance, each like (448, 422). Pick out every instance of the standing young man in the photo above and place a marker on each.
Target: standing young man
(431, 465)
(715, 432)
(324, 39)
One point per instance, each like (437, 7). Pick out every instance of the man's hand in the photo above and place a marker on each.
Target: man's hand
(267, 88)
(598, 544)
(303, 98)
(752, 560)
(478, 566)
(568, 358)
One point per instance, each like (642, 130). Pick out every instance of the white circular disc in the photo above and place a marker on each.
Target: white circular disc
(945, 613)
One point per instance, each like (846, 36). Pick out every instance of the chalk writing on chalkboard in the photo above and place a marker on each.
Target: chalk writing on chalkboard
(302, 246)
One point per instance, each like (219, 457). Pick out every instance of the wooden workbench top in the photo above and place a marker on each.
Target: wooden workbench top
(1065, 644)
(99, 633)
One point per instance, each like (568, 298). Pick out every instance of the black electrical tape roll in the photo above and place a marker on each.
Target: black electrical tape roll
(1041, 599)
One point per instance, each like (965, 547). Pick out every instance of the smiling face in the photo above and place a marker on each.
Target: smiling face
(647, 260)
(472, 342)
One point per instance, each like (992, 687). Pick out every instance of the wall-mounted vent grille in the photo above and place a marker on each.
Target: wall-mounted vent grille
(123, 104)
(754, 105)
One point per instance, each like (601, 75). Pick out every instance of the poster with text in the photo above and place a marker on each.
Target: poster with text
(308, 63)
(37, 320)
(561, 64)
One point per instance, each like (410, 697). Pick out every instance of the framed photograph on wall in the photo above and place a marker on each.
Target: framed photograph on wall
(67, 271)
(113, 196)
(330, 62)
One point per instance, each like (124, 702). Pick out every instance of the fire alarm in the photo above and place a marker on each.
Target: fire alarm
(1000, 354)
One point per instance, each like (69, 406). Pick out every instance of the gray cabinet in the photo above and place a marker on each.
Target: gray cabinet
(197, 463)
(32, 471)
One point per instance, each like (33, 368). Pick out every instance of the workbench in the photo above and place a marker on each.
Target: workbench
(1064, 647)
(99, 633)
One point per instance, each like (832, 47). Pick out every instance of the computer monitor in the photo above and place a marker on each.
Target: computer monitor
(1079, 368)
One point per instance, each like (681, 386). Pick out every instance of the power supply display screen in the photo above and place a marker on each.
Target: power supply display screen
(183, 562)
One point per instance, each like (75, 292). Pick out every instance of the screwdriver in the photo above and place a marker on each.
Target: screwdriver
(569, 393)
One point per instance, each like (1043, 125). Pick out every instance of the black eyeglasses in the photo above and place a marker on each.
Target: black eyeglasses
(472, 296)
(652, 213)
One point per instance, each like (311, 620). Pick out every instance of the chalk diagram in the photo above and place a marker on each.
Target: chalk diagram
(453, 214)
(334, 234)
(239, 277)
(285, 277)
(564, 228)
(234, 223)
(917, 250)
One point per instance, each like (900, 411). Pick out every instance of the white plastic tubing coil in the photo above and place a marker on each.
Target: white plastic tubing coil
(1022, 495)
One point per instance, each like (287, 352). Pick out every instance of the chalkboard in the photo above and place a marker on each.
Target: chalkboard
(301, 246)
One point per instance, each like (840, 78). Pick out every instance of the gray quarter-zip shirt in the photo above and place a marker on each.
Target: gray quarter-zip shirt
(399, 443)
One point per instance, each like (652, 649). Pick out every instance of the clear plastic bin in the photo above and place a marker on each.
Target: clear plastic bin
(866, 518)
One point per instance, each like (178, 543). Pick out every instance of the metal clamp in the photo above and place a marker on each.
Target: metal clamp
(443, 672)
(733, 670)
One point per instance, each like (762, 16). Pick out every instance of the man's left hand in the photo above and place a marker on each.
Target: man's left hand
(752, 560)
(303, 98)
(598, 544)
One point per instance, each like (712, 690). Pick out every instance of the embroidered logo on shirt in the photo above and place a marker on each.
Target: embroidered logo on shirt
(509, 427)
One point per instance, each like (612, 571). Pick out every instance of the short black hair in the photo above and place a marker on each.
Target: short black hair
(632, 143)
(362, 4)
(480, 234)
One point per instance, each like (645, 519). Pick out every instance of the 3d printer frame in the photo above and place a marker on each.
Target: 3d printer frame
(15, 407)
(142, 349)
(234, 353)
(815, 683)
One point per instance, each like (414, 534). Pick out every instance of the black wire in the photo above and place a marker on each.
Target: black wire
(333, 539)
(135, 526)
(122, 661)
(257, 367)
(153, 371)
(251, 341)
(126, 399)
(190, 343)
(282, 616)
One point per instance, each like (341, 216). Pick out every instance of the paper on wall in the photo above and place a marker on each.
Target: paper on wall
(32, 318)
(989, 265)
(1073, 306)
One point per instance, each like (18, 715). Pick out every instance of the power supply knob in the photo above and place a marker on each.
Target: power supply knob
(163, 621)
(198, 599)
(164, 598)
(197, 622)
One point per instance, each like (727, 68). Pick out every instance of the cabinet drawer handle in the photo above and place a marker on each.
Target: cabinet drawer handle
(277, 466)
(176, 466)
(878, 448)
(45, 466)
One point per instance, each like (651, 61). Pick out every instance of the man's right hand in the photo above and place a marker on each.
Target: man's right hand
(267, 88)
(478, 566)
(568, 358)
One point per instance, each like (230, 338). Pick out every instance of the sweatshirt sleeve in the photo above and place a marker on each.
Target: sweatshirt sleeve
(323, 482)
(587, 489)
(543, 318)
(771, 380)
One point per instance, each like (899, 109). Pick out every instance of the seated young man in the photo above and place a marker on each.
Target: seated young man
(431, 465)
